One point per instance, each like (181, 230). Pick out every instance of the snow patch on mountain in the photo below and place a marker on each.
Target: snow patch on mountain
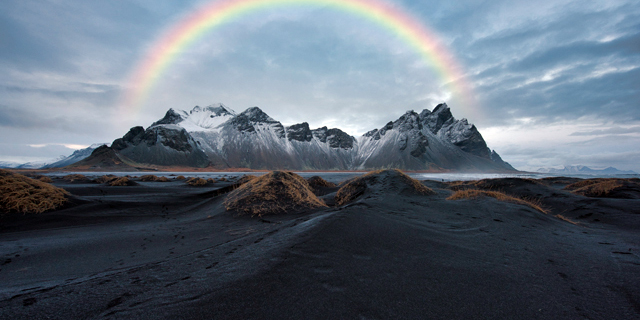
(580, 169)
(429, 140)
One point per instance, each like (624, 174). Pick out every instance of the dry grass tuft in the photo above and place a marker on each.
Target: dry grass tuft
(162, 179)
(601, 189)
(211, 180)
(20, 194)
(45, 179)
(224, 179)
(272, 193)
(606, 187)
(353, 188)
(149, 177)
(474, 193)
(243, 180)
(559, 216)
(197, 182)
(121, 182)
(105, 179)
(180, 178)
(583, 183)
(75, 177)
(350, 191)
(595, 187)
(317, 181)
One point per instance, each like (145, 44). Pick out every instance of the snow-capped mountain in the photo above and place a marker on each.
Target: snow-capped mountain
(428, 140)
(218, 136)
(162, 144)
(74, 157)
(9, 164)
(198, 118)
(585, 170)
(59, 162)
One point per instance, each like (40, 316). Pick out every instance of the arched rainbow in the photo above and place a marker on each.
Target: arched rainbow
(219, 12)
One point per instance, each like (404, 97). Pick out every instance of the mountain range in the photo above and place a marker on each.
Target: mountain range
(218, 137)
(59, 162)
(585, 170)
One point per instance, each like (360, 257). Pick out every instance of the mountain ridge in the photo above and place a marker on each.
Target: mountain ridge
(581, 169)
(429, 140)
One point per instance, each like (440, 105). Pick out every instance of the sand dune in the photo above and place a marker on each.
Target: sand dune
(166, 250)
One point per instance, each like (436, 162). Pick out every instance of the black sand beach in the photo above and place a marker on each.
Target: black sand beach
(166, 250)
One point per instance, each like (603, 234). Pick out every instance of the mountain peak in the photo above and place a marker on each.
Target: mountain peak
(439, 117)
(218, 109)
(408, 121)
(171, 117)
(256, 114)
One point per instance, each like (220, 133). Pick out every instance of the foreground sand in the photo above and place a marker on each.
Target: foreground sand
(171, 251)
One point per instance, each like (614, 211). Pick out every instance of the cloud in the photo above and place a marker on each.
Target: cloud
(563, 71)
(616, 130)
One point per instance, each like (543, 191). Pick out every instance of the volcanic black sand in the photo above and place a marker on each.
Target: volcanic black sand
(167, 250)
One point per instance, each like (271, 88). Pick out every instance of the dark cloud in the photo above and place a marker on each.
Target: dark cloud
(23, 119)
(92, 95)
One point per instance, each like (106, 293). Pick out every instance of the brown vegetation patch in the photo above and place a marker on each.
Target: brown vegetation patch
(561, 217)
(197, 182)
(121, 182)
(243, 180)
(20, 194)
(492, 184)
(180, 178)
(388, 180)
(317, 181)
(75, 177)
(211, 180)
(474, 193)
(148, 177)
(606, 187)
(162, 179)
(105, 179)
(272, 193)
(45, 179)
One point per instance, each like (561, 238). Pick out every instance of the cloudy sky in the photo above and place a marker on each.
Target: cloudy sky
(556, 82)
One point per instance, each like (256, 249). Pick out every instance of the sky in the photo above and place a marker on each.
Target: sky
(554, 83)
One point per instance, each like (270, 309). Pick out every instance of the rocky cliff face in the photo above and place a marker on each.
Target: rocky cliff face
(216, 135)
(164, 144)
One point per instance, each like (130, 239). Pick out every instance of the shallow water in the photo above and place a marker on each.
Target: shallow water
(341, 176)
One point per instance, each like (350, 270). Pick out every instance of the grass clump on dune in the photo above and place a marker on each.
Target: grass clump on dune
(491, 184)
(243, 180)
(317, 181)
(20, 194)
(121, 182)
(197, 182)
(272, 193)
(474, 193)
(153, 178)
(148, 177)
(606, 187)
(45, 179)
(75, 177)
(320, 186)
(387, 180)
(105, 179)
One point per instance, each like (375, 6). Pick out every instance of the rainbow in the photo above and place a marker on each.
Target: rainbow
(216, 13)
